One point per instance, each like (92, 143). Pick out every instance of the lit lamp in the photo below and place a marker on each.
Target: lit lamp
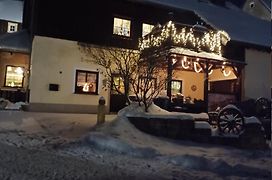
(86, 87)
(184, 63)
(225, 73)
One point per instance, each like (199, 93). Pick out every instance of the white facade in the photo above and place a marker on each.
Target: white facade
(257, 74)
(55, 61)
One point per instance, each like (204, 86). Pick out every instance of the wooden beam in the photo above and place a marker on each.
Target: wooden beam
(206, 84)
(169, 76)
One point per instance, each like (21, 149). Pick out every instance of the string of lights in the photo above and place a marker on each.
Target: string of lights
(210, 40)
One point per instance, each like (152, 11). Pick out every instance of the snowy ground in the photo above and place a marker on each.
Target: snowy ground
(68, 146)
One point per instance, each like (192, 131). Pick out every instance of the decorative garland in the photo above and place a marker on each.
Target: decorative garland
(210, 40)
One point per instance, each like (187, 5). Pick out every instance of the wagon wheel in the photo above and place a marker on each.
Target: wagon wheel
(230, 121)
(263, 107)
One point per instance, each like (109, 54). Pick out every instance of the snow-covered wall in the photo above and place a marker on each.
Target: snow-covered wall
(257, 76)
(55, 61)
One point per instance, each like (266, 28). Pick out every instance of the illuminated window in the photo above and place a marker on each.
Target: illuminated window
(14, 76)
(86, 82)
(146, 29)
(12, 27)
(121, 27)
(176, 87)
(117, 85)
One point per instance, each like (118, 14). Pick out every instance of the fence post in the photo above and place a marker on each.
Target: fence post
(101, 111)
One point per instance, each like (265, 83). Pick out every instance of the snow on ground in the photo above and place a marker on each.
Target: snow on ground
(122, 150)
(121, 137)
(6, 104)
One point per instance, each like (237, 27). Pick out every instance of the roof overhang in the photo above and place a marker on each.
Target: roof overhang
(16, 42)
(206, 56)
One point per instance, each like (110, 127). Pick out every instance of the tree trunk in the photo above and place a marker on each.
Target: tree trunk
(126, 86)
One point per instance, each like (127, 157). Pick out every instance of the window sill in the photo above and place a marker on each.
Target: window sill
(116, 36)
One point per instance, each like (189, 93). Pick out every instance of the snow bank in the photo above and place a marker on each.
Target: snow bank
(115, 145)
(121, 137)
(154, 111)
(6, 104)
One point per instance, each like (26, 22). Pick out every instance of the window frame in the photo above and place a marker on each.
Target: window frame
(5, 80)
(130, 27)
(181, 85)
(10, 25)
(86, 75)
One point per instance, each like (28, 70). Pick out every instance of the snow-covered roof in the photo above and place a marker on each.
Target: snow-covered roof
(267, 3)
(239, 25)
(11, 10)
(15, 42)
(202, 54)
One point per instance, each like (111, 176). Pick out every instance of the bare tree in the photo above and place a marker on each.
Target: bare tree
(149, 80)
(146, 76)
(122, 62)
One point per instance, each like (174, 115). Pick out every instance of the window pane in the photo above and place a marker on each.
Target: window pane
(14, 76)
(176, 87)
(147, 28)
(91, 82)
(121, 27)
(81, 79)
(118, 85)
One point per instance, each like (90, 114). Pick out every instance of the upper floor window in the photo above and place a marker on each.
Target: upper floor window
(146, 29)
(121, 27)
(12, 27)
(14, 76)
(86, 82)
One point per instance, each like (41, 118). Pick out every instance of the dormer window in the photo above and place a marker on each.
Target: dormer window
(121, 27)
(12, 27)
(146, 29)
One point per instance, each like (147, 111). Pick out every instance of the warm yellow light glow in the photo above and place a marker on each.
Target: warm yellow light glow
(9, 68)
(174, 60)
(210, 40)
(86, 87)
(226, 73)
(19, 70)
(210, 69)
(197, 70)
(121, 27)
(185, 64)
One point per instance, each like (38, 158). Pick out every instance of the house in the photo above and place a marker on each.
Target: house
(258, 8)
(11, 13)
(59, 71)
(14, 52)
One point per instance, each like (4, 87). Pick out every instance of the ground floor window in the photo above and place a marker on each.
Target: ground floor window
(14, 76)
(86, 82)
(176, 87)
